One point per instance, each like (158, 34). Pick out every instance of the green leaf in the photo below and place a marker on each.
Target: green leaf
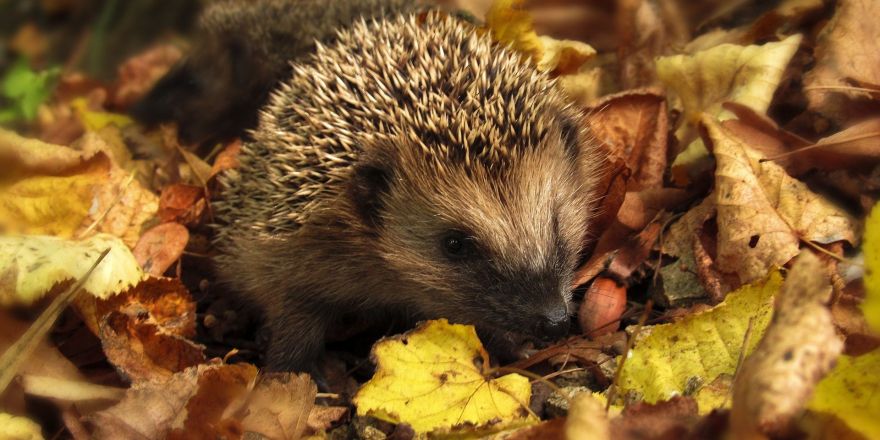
(25, 90)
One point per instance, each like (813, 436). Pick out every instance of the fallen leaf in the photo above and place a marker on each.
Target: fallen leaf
(218, 388)
(847, 62)
(763, 213)
(849, 392)
(587, 419)
(227, 159)
(54, 190)
(672, 418)
(871, 249)
(510, 24)
(281, 406)
(95, 120)
(137, 75)
(646, 30)
(700, 347)
(149, 408)
(634, 125)
(705, 80)
(435, 379)
(19, 428)
(144, 331)
(798, 348)
(208, 401)
(31, 265)
(160, 247)
(182, 203)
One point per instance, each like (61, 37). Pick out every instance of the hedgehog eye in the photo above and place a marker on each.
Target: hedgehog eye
(457, 245)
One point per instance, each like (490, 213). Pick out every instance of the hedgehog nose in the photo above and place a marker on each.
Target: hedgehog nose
(554, 325)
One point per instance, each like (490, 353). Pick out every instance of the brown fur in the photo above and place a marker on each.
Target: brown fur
(378, 149)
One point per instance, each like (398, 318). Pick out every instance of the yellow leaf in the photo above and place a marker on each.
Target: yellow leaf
(510, 24)
(700, 347)
(30, 265)
(18, 428)
(55, 190)
(94, 120)
(705, 80)
(55, 205)
(871, 249)
(850, 393)
(434, 378)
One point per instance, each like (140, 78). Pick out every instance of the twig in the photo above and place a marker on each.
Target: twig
(742, 357)
(612, 391)
(868, 135)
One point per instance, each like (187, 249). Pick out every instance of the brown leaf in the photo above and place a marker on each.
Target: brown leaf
(160, 247)
(215, 401)
(633, 254)
(227, 159)
(798, 349)
(137, 75)
(856, 147)
(218, 388)
(634, 125)
(669, 419)
(766, 137)
(182, 203)
(636, 212)
(645, 30)
(763, 213)
(847, 62)
(149, 408)
(587, 419)
(144, 330)
(281, 405)
(612, 190)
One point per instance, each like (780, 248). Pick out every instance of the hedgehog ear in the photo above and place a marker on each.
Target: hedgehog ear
(368, 184)
(571, 136)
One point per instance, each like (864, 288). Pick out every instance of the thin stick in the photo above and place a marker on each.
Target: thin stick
(612, 391)
(742, 357)
(22, 350)
(844, 88)
(869, 135)
(831, 254)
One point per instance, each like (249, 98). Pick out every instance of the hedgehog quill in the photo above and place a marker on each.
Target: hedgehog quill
(412, 166)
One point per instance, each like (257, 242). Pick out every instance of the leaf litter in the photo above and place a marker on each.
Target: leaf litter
(742, 161)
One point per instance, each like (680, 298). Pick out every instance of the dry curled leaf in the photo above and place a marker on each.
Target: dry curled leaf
(798, 348)
(847, 62)
(704, 81)
(634, 125)
(763, 213)
(144, 330)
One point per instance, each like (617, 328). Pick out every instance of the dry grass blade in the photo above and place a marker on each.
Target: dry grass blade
(25, 346)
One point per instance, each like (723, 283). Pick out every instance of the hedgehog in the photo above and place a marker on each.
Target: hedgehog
(416, 168)
(241, 51)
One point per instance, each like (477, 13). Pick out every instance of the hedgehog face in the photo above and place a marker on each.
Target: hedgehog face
(490, 246)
